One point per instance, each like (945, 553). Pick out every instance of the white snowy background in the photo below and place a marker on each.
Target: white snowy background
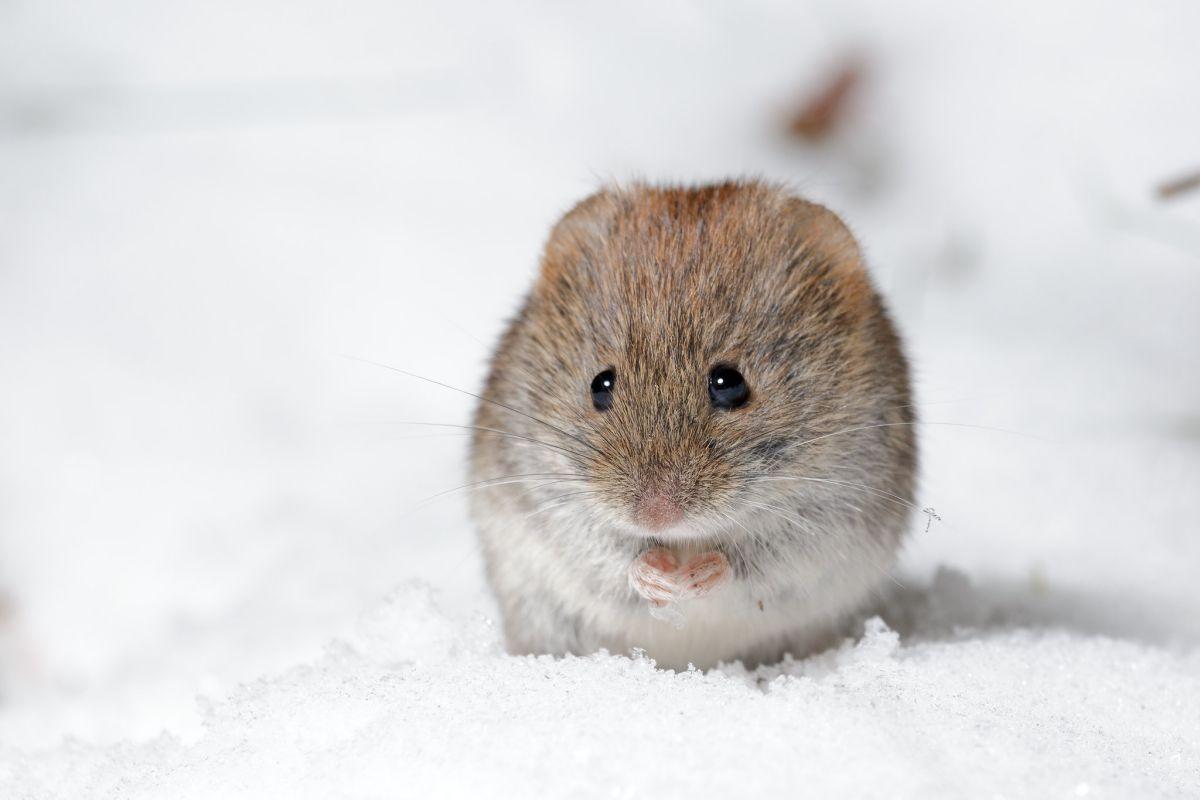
(218, 575)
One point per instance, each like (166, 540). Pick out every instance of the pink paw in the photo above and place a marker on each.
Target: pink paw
(656, 575)
(652, 576)
(704, 573)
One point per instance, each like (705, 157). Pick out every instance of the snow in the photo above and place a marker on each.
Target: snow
(219, 576)
(418, 703)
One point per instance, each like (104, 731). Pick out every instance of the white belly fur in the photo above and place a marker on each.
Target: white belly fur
(724, 626)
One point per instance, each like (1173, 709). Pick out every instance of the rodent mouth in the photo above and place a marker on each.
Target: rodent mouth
(676, 533)
(684, 529)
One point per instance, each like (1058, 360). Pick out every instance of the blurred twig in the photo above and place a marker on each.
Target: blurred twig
(1106, 208)
(1171, 189)
(822, 112)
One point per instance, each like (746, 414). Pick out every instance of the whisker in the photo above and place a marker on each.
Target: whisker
(497, 431)
(779, 512)
(734, 543)
(900, 424)
(557, 502)
(579, 418)
(477, 397)
(423, 436)
(503, 480)
(544, 484)
(730, 518)
(886, 495)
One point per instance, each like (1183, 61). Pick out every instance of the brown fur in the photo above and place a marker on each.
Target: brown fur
(661, 285)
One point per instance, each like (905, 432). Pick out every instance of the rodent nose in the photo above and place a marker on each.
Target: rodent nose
(657, 511)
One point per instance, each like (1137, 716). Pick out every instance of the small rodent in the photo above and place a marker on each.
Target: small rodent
(702, 408)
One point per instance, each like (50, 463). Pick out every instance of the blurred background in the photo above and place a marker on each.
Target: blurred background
(204, 207)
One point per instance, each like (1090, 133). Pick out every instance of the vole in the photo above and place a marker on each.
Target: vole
(696, 437)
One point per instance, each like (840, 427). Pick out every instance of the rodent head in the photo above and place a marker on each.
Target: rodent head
(681, 345)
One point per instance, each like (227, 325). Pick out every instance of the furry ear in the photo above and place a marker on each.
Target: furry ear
(826, 257)
(822, 233)
(579, 233)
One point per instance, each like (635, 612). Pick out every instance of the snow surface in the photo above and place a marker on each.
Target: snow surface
(218, 575)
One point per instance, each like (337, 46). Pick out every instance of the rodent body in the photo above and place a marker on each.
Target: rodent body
(702, 391)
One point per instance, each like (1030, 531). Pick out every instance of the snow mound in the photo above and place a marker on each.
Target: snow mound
(417, 702)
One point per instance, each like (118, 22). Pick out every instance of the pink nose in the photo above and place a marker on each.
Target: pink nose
(657, 511)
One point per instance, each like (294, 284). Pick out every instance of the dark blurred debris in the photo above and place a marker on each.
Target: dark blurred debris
(1168, 190)
(825, 110)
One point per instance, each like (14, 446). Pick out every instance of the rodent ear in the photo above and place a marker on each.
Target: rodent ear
(821, 232)
(580, 232)
(824, 253)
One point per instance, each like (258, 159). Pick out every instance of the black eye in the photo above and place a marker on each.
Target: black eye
(727, 388)
(602, 389)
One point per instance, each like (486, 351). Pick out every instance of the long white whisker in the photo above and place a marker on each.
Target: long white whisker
(477, 397)
(558, 501)
(903, 424)
(886, 495)
(530, 477)
(779, 512)
(497, 431)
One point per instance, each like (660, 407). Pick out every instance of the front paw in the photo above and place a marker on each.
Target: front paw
(652, 575)
(703, 574)
(657, 576)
